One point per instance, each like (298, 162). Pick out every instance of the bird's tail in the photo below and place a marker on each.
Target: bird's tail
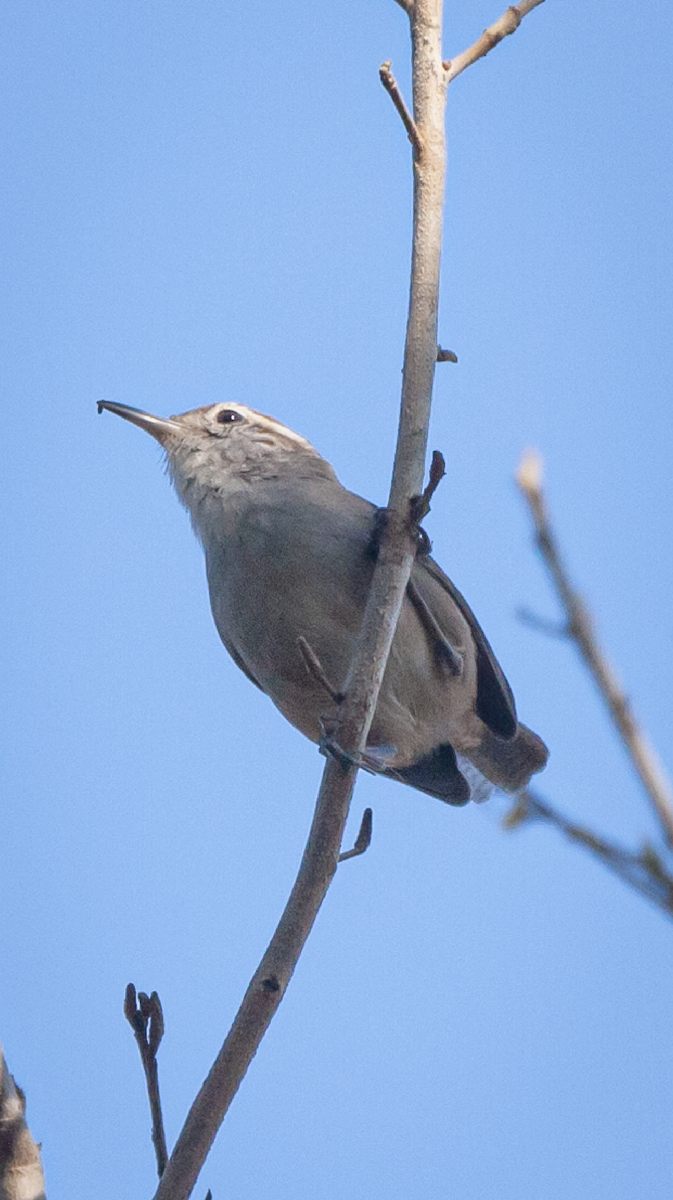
(509, 763)
(506, 763)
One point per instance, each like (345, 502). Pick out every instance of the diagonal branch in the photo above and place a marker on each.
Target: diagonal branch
(394, 561)
(581, 629)
(506, 24)
(551, 629)
(392, 87)
(643, 870)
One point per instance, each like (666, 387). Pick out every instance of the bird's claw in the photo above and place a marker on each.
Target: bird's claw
(330, 748)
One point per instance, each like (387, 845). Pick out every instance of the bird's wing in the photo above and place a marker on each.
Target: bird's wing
(495, 702)
(240, 663)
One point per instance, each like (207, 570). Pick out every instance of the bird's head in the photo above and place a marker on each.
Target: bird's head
(214, 448)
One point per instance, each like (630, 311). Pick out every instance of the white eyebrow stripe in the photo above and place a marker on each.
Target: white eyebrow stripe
(278, 428)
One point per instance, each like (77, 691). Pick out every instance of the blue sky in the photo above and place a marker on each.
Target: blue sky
(213, 202)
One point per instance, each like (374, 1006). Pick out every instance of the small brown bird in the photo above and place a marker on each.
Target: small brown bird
(289, 557)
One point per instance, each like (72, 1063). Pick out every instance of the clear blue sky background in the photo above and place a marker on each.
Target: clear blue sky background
(208, 202)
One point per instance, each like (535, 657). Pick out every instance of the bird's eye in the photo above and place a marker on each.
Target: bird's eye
(227, 416)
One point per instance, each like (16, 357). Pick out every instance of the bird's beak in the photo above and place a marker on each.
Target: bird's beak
(159, 427)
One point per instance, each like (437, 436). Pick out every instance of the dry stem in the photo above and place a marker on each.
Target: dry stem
(393, 566)
(147, 1022)
(391, 85)
(580, 628)
(364, 838)
(642, 869)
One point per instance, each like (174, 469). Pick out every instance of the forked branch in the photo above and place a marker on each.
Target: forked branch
(145, 1016)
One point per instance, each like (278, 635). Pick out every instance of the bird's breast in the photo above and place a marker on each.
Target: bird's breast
(283, 565)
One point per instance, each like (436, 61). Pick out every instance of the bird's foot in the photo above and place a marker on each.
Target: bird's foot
(423, 543)
(330, 748)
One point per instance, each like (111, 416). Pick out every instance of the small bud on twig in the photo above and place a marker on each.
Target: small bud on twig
(363, 840)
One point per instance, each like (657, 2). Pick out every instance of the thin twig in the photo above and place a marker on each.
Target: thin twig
(315, 668)
(390, 84)
(552, 629)
(420, 505)
(363, 840)
(506, 24)
(581, 631)
(643, 870)
(21, 1175)
(147, 1022)
(395, 558)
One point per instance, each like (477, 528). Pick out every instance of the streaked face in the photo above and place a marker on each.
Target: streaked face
(214, 448)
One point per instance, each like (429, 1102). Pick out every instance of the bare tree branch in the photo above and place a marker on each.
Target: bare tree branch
(553, 629)
(643, 870)
(420, 505)
(390, 84)
(395, 558)
(508, 23)
(363, 840)
(581, 630)
(147, 1022)
(21, 1175)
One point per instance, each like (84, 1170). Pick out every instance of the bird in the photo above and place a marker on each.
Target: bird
(290, 555)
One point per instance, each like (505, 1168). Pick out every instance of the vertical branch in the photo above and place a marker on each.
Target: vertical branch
(144, 1015)
(395, 558)
(420, 350)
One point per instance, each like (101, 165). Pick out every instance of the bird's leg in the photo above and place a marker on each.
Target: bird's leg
(315, 668)
(373, 761)
(328, 743)
(329, 746)
(444, 651)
